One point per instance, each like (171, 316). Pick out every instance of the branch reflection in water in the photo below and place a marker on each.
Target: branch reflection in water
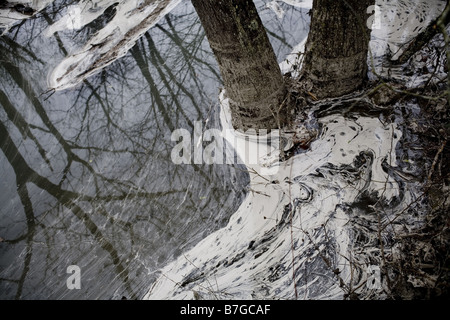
(87, 178)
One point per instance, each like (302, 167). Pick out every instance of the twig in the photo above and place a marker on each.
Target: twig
(259, 192)
(436, 157)
(251, 170)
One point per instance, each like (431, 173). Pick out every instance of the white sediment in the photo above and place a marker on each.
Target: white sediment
(295, 234)
(317, 201)
(131, 21)
(296, 226)
(395, 24)
(10, 16)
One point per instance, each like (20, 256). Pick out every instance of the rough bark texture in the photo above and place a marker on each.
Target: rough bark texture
(336, 50)
(248, 65)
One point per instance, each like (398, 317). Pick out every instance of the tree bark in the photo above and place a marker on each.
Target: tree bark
(248, 65)
(336, 50)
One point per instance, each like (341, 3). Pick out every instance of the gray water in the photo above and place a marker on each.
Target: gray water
(86, 174)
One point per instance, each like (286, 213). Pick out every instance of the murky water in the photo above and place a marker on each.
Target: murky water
(86, 173)
(323, 223)
(310, 230)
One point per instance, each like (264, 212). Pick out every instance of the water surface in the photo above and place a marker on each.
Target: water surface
(86, 173)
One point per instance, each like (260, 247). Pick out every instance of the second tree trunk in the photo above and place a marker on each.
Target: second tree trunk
(336, 50)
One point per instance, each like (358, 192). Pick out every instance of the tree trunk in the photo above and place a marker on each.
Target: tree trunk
(336, 50)
(248, 65)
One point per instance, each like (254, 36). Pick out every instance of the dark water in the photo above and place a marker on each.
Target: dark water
(86, 174)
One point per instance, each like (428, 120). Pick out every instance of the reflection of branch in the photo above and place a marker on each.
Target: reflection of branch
(11, 152)
(56, 35)
(23, 83)
(135, 52)
(13, 50)
(15, 117)
(26, 174)
(28, 208)
(106, 150)
(127, 196)
(186, 54)
(88, 194)
(279, 38)
(26, 87)
(106, 245)
(157, 61)
(106, 108)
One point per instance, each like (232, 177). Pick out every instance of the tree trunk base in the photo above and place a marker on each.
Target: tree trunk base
(335, 61)
(271, 112)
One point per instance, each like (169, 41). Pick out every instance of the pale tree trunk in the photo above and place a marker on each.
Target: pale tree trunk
(336, 50)
(248, 65)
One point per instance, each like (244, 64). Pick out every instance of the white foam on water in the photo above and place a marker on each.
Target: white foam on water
(10, 17)
(131, 21)
(252, 256)
(296, 234)
(396, 24)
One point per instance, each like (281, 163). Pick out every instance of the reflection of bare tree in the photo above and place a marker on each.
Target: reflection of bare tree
(24, 174)
(93, 181)
(91, 174)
